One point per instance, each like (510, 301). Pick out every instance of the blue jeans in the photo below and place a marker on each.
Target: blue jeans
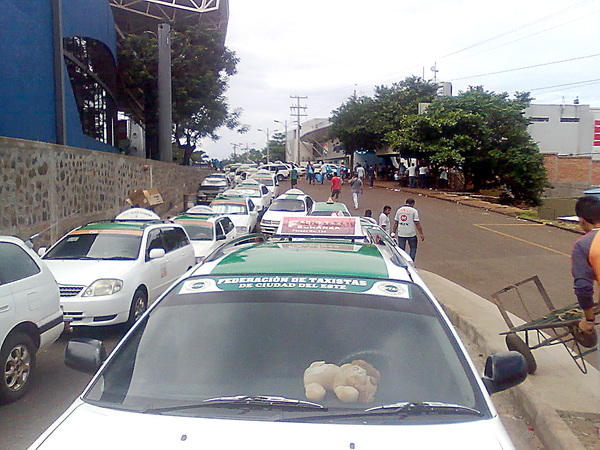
(412, 242)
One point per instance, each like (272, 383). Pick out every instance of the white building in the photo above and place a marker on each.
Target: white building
(571, 130)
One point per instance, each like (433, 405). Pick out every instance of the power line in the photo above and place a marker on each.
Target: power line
(527, 67)
(520, 27)
(576, 83)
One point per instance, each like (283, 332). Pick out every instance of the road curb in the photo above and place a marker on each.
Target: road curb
(550, 428)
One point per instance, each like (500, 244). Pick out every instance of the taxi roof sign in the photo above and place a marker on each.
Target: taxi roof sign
(320, 226)
(137, 214)
(200, 209)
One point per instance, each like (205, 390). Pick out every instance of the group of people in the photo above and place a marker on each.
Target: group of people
(405, 227)
(419, 176)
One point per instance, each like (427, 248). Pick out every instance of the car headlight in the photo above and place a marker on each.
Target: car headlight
(103, 287)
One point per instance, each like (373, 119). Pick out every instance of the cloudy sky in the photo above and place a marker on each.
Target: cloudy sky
(327, 49)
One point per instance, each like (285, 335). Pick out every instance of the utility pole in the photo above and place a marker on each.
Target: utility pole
(268, 153)
(165, 114)
(298, 111)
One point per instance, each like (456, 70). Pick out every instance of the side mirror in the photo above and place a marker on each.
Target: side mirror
(156, 253)
(42, 251)
(85, 355)
(503, 371)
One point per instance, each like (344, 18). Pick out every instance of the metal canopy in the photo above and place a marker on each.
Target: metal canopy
(132, 16)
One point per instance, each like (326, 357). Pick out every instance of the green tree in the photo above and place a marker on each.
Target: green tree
(277, 147)
(483, 133)
(362, 123)
(200, 69)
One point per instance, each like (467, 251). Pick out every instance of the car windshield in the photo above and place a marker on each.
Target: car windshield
(291, 205)
(214, 182)
(259, 342)
(265, 181)
(330, 212)
(229, 208)
(96, 245)
(196, 230)
(250, 192)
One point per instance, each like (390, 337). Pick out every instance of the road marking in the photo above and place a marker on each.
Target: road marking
(484, 226)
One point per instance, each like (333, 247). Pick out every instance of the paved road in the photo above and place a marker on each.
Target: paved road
(479, 250)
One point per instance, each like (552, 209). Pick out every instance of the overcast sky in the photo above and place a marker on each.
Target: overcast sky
(327, 49)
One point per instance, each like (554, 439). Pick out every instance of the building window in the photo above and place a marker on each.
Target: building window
(92, 72)
(539, 119)
(569, 119)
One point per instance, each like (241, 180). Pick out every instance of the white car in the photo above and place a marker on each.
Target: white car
(206, 231)
(109, 272)
(279, 169)
(268, 179)
(239, 208)
(293, 202)
(318, 342)
(259, 193)
(30, 315)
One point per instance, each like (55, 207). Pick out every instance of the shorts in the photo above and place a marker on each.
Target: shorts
(335, 193)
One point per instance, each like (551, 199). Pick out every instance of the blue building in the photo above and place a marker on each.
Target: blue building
(31, 106)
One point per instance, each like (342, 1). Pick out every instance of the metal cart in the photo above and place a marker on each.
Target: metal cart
(559, 326)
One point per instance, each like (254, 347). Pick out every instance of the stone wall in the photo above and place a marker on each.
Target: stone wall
(51, 189)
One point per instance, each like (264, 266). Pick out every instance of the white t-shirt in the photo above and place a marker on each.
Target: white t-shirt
(384, 222)
(412, 171)
(406, 217)
(360, 172)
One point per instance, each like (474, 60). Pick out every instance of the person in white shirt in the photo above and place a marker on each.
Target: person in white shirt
(412, 175)
(384, 218)
(360, 172)
(406, 225)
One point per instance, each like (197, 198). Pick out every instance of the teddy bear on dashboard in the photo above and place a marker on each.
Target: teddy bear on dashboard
(351, 382)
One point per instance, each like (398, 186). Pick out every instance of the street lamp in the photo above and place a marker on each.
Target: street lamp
(286, 136)
(268, 153)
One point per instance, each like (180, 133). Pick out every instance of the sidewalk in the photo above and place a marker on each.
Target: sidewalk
(557, 388)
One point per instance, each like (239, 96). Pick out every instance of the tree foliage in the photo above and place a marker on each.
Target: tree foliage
(200, 70)
(362, 123)
(484, 134)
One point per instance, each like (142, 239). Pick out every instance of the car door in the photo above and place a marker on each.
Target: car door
(252, 214)
(267, 195)
(180, 253)
(228, 228)
(157, 269)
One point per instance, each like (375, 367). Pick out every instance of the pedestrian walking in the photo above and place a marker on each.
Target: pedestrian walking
(356, 189)
(323, 172)
(384, 218)
(371, 175)
(412, 175)
(585, 260)
(336, 187)
(294, 177)
(406, 225)
(360, 172)
(310, 173)
(423, 172)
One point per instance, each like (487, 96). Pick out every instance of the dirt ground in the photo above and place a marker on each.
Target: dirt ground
(585, 426)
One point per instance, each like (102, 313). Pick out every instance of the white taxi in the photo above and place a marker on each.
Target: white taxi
(109, 272)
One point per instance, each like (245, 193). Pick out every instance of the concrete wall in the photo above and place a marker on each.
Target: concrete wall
(52, 189)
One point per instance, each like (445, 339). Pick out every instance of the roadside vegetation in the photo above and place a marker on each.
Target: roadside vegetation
(482, 134)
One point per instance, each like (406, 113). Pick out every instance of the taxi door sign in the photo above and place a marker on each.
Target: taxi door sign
(320, 226)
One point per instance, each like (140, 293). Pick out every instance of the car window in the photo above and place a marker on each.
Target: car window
(15, 263)
(264, 189)
(174, 238)
(89, 244)
(309, 203)
(251, 205)
(291, 205)
(155, 241)
(218, 342)
(227, 224)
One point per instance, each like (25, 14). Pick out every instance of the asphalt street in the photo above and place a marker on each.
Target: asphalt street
(477, 249)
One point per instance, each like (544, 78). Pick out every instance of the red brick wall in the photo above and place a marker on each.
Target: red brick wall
(572, 169)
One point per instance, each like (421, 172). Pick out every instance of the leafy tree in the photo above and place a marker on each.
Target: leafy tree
(277, 147)
(363, 122)
(483, 133)
(200, 69)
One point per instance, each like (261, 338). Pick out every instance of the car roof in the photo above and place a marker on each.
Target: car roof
(321, 257)
(196, 218)
(292, 194)
(329, 206)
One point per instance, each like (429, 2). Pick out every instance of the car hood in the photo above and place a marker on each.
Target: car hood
(84, 272)
(105, 428)
(202, 248)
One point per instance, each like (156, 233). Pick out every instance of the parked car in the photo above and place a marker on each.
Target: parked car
(212, 186)
(206, 231)
(30, 315)
(279, 169)
(239, 208)
(259, 193)
(268, 179)
(109, 272)
(320, 341)
(293, 202)
(329, 209)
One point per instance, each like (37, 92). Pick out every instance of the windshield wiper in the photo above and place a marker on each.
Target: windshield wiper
(402, 409)
(423, 407)
(255, 401)
(116, 258)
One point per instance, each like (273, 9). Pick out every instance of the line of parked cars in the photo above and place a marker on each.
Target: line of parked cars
(291, 325)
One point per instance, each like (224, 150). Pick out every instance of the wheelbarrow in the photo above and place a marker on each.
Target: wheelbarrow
(557, 327)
